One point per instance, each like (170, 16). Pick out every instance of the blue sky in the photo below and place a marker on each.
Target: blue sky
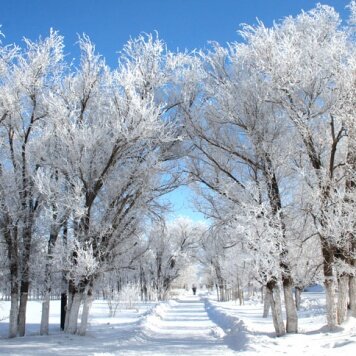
(183, 24)
(110, 23)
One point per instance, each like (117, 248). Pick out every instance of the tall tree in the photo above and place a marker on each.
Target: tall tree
(305, 61)
(236, 137)
(28, 77)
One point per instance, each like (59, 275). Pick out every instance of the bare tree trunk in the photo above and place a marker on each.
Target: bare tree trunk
(222, 293)
(48, 283)
(64, 281)
(71, 293)
(88, 299)
(266, 302)
(240, 295)
(25, 277)
(158, 277)
(46, 303)
(276, 206)
(69, 305)
(330, 287)
(352, 280)
(143, 285)
(330, 294)
(11, 239)
(63, 309)
(217, 292)
(342, 301)
(73, 314)
(291, 311)
(298, 297)
(13, 322)
(352, 295)
(45, 315)
(350, 189)
(222, 297)
(276, 306)
(25, 284)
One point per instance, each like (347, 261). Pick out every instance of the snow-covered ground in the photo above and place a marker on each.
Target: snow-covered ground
(250, 334)
(187, 326)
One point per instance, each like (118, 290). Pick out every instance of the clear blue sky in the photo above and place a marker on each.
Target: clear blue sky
(110, 23)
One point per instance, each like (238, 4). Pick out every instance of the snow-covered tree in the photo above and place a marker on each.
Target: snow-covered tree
(262, 130)
(307, 63)
(171, 249)
(236, 153)
(28, 79)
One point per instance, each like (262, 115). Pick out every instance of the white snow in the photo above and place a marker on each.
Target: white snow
(250, 334)
(189, 325)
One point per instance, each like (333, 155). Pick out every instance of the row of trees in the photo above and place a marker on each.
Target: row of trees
(263, 129)
(273, 136)
(83, 150)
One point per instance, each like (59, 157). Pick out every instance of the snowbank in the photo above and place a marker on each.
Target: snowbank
(244, 330)
(152, 321)
(232, 329)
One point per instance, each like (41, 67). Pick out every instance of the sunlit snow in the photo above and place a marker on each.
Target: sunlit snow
(187, 325)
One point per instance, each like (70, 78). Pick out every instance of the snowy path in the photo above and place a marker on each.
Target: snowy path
(182, 328)
(185, 329)
(179, 328)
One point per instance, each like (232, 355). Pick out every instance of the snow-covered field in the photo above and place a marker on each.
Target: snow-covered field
(188, 325)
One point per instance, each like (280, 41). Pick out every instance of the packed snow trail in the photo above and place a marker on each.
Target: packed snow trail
(183, 329)
(180, 327)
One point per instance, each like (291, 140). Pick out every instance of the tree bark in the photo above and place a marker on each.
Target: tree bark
(73, 313)
(240, 294)
(217, 292)
(71, 292)
(85, 314)
(220, 284)
(25, 276)
(11, 239)
(45, 315)
(350, 189)
(331, 310)
(63, 309)
(13, 322)
(291, 311)
(330, 287)
(276, 206)
(25, 284)
(298, 297)
(266, 302)
(276, 307)
(64, 281)
(342, 300)
(48, 283)
(352, 295)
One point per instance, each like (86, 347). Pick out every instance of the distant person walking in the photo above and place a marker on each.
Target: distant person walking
(194, 289)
